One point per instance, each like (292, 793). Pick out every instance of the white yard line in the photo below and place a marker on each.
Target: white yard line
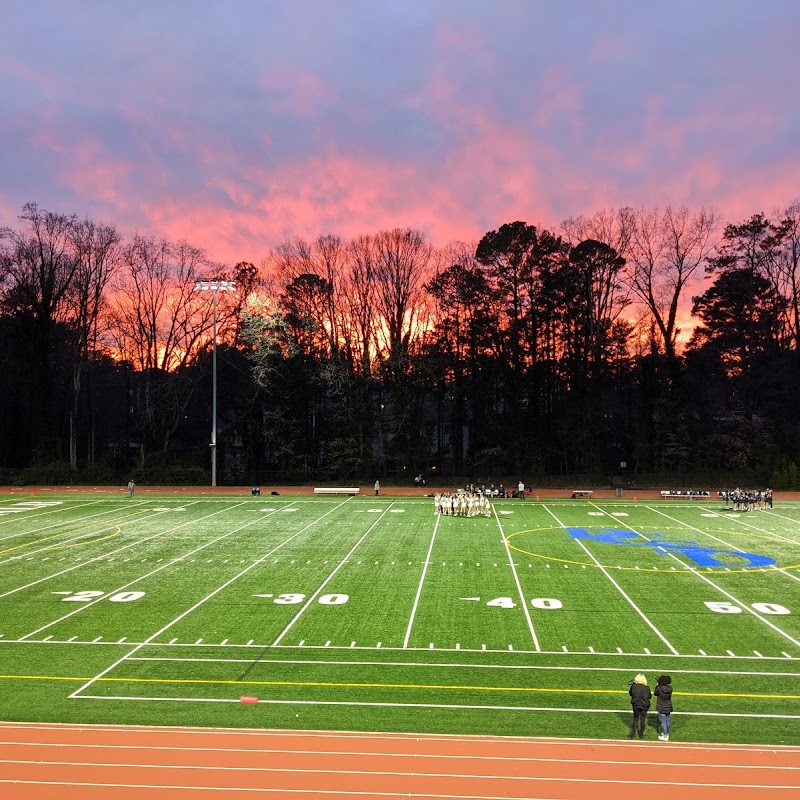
(727, 544)
(708, 580)
(57, 509)
(133, 582)
(446, 706)
(109, 553)
(523, 600)
(432, 665)
(330, 577)
(771, 534)
(618, 587)
(199, 603)
(102, 530)
(772, 513)
(421, 582)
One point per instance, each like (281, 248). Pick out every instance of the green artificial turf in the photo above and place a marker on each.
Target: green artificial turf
(375, 614)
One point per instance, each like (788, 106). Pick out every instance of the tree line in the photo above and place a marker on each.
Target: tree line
(532, 352)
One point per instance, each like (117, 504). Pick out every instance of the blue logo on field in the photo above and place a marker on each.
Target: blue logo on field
(658, 543)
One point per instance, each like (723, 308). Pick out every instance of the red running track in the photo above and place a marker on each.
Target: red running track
(97, 762)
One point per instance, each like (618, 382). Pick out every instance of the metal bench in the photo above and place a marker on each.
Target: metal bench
(336, 490)
(685, 495)
(582, 493)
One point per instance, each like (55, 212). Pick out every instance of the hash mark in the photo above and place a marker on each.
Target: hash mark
(730, 653)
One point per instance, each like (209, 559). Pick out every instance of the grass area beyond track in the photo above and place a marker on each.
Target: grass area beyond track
(361, 613)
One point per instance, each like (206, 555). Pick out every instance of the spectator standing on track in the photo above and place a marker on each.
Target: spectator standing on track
(521, 490)
(663, 694)
(640, 701)
(131, 488)
(377, 488)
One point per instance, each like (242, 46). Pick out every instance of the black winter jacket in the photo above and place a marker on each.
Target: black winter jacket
(664, 698)
(640, 696)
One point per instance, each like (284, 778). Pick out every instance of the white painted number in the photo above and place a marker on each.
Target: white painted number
(125, 597)
(546, 602)
(289, 599)
(764, 608)
(333, 599)
(536, 602)
(325, 600)
(502, 602)
(86, 596)
(82, 597)
(723, 607)
(771, 608)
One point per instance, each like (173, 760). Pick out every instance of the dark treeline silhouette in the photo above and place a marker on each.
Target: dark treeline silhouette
(532, 352)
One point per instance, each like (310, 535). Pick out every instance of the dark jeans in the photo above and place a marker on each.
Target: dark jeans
(639, 721)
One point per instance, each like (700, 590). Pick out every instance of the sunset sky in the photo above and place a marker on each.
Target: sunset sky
(237, 124)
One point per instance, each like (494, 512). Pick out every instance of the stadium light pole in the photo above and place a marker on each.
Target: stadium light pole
(214, 287)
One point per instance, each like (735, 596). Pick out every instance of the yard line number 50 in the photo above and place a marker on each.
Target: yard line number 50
(724, 607)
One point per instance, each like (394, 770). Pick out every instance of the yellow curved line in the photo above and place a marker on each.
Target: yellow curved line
(117, 532)
(100, 523)
(438, 687)
(707, 570)
(37, 541)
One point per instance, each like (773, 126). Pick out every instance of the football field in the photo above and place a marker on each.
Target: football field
(363, 613)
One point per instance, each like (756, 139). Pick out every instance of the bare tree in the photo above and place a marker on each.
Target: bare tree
(610, 226)
(783, 268)
(39, 267)
(358, 320)
(324, 257)
(666, 250)
(97, 256)
(160, 325)
(402, 258)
